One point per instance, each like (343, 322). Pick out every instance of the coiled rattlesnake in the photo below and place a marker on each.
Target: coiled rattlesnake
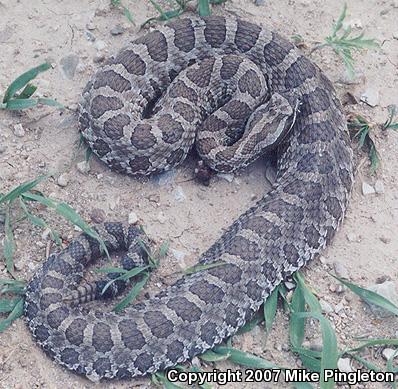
(247, 89)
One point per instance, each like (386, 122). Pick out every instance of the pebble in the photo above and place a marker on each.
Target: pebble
(351, 237)
(91, 26)
(196, 362)
(97, 215)
(289, 285)
(386, 289)
(99, 57)
(69, 64)
(344, 365)
(379, 187)
(178, 255)
(19, 131)
(3, 149)
(133, 218)
(395, 35)
(367, 189)
(100, 45)
(371, 97)
(340, 270)
(19, 265)
(89, 36)
(226, 176)
(83, 167)
(259, 2)
(161, 218)
(179, 194)
(388, 353)
(63, 180)
(45, 234)
(117, 30)
(338, 308)
(326, 307)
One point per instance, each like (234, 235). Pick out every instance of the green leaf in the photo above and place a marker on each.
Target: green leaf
(128, 15)
(23, 79)
(125, 276)
(132, 294)
(374, 342)
(309, 297)
(329, 351)
(243, 358)
(12, 286)
(7, 305)
(27, 92)
(297, 323)
(15, 314)
(204, 8)
(270, 306)
(9, 243)
(370, 297)
(24, 187)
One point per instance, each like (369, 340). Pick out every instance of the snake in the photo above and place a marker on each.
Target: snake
(235, 91)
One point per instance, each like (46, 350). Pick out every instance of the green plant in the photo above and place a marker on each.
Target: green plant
(126, 11)
(363, 133)
(344, 44)
(16, 101)
(389, 124)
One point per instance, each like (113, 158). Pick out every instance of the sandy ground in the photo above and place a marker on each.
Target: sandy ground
(174, 207)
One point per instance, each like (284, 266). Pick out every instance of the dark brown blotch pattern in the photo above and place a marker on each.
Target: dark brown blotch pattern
(142, 137)
(156, 44)
(159, 325)
(132, 62)
(102, 338)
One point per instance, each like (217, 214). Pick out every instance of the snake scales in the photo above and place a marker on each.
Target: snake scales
(248, 90)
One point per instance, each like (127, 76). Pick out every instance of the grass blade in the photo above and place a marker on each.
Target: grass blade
(370, 297)
(329, 354)
(7, 305)
(23, 188)
(309, 297)
(15, 314)
(9, 243)
(297, 323)
(200, 267)
(204, 8)
(270, 306)
(132, 294)
(211, 356)
(24, 79)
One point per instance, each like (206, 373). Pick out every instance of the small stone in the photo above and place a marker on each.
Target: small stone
(357, 23)
(97, 215)
(326, 307)
(19, 131)
(179, 194)
(196, 362)
(226, 176)
(178, 255)
(259, 2)
(3, 149)
(91, 26)
(371, 97)
(69, 64)
(367, 189)
(89, 36)
(161, 218)
(289, 285)
(395, 35)
(100, 45)
(83, 167)
(45, 234)
(389, 353)
(387, 290)
(385, 239)
(340, 270)
(117, 30)
(63, 180)
(323, 260)
(19, 265)
(379, 187)
(338, 308)
(99, 57)
(344, 365)
(332, 288)
(351, 237)
(133, 218)
(316, 344)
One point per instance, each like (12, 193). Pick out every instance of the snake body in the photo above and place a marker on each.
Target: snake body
(247, 89)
